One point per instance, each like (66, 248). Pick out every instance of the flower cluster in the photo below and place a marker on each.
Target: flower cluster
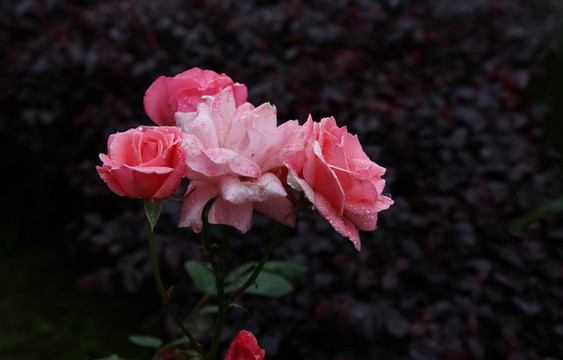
(238, 159)
(237, 156)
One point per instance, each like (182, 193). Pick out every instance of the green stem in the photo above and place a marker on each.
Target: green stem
(252, 279)
(164, 295)
(197, 306)
(219, 272)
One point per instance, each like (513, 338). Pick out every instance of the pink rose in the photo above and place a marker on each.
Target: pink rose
(235, 154)
(183, 92)
(245, 347)
(144, 163)
(338, 178)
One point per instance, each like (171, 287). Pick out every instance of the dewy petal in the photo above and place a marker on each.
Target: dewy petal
(205, 164)
(157, 103)
(300, 185)
(184, 120)
(340, 223)
(364, 215)
(184, 92)
(174, 179)
(224, 161)
(338, 178)
(279, 209)
(200, 193)
(259, 148)
(240, 123)
(321, 177)
(329, 126)
(265, 119)
(240, 93)
(137, 184)
(117, 143)
(235, 215)
(150, 169)
(245, 347)
(353, 149)
(333, 153)
(355, 187)
(294, 135)
(111, 181)
(267, 187)
(203, 126)
(223, 109)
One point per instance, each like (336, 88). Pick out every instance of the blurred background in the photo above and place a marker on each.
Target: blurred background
(459, 100)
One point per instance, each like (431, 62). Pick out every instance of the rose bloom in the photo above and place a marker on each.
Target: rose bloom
(245, 347)
(144, 163)
(338, 178)
(183, 92)
(235, 154)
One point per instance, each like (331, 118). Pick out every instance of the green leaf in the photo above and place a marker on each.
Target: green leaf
(145, 341)
(201, 276)
(176, 342)
(285, 268)
(213, 309)
(552, 206)
(152, 209)
(269, 284)
(240, 271)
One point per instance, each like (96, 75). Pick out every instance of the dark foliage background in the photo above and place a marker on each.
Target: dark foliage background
(453, 97)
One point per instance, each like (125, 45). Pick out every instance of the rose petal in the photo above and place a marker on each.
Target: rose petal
(321, 177)
(200, 193)
(340, 223)
(267, 187)
(110, 181)
(279, 209)
(236, 215)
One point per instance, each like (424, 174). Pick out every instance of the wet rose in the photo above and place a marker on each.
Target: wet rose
(184, 92)
(338, 178)
(245, 347)
(144, 163)
(234, 156)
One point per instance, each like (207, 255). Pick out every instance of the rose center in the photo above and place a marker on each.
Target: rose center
(150, 150)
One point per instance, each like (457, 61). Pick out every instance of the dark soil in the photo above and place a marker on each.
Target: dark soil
(453, 97)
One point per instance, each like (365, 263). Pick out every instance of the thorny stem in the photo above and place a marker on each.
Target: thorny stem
(164, 295)
(197, 306)
(252, 279)
(219, 272)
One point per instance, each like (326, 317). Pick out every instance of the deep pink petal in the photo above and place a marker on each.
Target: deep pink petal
(121, 148)
(355, 187)
(137, 184)
(245, 347)
(241, 93)
(339, 222)
(321, 178)
(111, 181)
(333, 153)
(183, 93)
(158, 104)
